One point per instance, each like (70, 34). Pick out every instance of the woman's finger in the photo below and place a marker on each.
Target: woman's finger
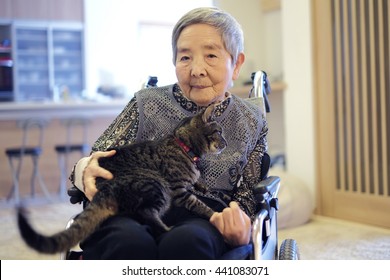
(218, 221)
(93, 170)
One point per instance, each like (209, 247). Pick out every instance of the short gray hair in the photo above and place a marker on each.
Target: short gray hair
(227, 26)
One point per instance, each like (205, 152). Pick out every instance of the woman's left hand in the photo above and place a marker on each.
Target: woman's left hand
(234, 224)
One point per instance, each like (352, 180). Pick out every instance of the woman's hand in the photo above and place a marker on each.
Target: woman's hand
(93, 170)
(233, 224)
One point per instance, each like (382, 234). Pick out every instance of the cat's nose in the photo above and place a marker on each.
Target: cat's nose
(222, 145)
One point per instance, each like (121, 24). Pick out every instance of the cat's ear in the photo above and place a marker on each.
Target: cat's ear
(208, 114)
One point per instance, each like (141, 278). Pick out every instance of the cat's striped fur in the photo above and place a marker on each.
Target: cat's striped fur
(148, 177)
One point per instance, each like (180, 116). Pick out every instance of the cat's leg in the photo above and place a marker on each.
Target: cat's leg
(201, 187)
(152, 218)
(156, 203)
(185, 199)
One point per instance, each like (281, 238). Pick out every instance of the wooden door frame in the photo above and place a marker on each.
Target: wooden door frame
(323, 100)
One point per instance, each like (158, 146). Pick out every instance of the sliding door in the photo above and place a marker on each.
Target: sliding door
(352, 89)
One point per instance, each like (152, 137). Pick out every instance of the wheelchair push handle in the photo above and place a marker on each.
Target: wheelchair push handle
(261, 88)
(76, 196)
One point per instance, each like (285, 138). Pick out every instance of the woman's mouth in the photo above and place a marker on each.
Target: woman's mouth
(199, 86)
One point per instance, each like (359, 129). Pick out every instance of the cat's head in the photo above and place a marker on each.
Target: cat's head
(201, 133)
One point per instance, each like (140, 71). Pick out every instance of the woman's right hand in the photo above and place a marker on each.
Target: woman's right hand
(93, 170)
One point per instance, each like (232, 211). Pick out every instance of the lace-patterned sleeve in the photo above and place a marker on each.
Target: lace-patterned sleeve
(251, 175)
(123, 130)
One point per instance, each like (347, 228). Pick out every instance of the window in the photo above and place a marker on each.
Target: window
(127, 42)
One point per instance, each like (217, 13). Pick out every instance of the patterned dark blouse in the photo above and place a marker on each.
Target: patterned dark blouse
(123, 130)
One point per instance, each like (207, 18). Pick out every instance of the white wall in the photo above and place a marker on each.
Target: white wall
(112, 39)
(248, 14)
(263, 36)
(109, 27)
(279, 42)
(298, 97)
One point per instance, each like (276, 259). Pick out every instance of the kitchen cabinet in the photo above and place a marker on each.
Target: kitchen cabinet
(68, 66)
(31, 64)
(48, 61)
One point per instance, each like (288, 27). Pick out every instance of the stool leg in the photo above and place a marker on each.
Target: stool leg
(61, 163)
(37, 175)
(33, 176)
(15, 181)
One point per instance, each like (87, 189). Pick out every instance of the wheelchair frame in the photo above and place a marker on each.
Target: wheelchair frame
(265, 226)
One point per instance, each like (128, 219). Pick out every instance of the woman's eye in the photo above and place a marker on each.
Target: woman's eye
(184, 58)
(211, 56)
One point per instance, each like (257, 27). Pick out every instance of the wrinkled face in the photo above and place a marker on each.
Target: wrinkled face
(204, 68)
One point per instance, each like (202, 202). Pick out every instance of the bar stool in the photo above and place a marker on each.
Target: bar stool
(32, 128)
(71, 145)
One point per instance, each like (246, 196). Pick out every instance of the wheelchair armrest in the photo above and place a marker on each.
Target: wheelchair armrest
(264, 232)
(76, 196)
(266, 193)
(268, 185)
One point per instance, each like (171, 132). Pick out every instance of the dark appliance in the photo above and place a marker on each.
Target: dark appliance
(6, 79)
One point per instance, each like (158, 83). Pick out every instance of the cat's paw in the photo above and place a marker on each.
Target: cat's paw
(161, 230)
(201, 187)
(209, 214)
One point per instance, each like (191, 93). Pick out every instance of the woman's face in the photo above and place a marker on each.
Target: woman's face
(204, 68)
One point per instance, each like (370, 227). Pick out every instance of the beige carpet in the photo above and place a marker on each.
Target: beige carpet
(330, 239)
(322, 238)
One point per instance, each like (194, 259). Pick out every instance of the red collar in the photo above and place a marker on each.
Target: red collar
(195, 159)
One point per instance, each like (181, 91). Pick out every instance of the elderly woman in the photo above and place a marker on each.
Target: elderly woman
(207, 46)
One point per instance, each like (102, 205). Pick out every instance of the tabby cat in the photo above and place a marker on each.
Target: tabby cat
(148, 177)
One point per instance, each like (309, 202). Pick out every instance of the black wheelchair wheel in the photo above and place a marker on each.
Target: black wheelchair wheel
(289, 250)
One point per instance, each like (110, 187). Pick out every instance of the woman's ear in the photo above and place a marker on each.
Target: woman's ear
(237, 66)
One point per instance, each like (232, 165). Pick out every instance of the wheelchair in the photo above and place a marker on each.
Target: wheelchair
(264, 240)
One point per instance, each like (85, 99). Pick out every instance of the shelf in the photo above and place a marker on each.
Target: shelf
(29, 67)
(68, 68)
(32, 52)
(5, 50)
(243, 91)
(66, 53)
(270, 5)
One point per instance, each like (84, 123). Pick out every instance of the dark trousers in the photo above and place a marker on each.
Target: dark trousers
(123, 238)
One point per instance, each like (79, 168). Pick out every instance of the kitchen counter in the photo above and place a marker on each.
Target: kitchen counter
(101, 115)
(20, 110)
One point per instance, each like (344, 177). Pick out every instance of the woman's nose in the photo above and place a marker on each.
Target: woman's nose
(198, 68)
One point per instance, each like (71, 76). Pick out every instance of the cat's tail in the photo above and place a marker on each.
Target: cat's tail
(83, 226)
